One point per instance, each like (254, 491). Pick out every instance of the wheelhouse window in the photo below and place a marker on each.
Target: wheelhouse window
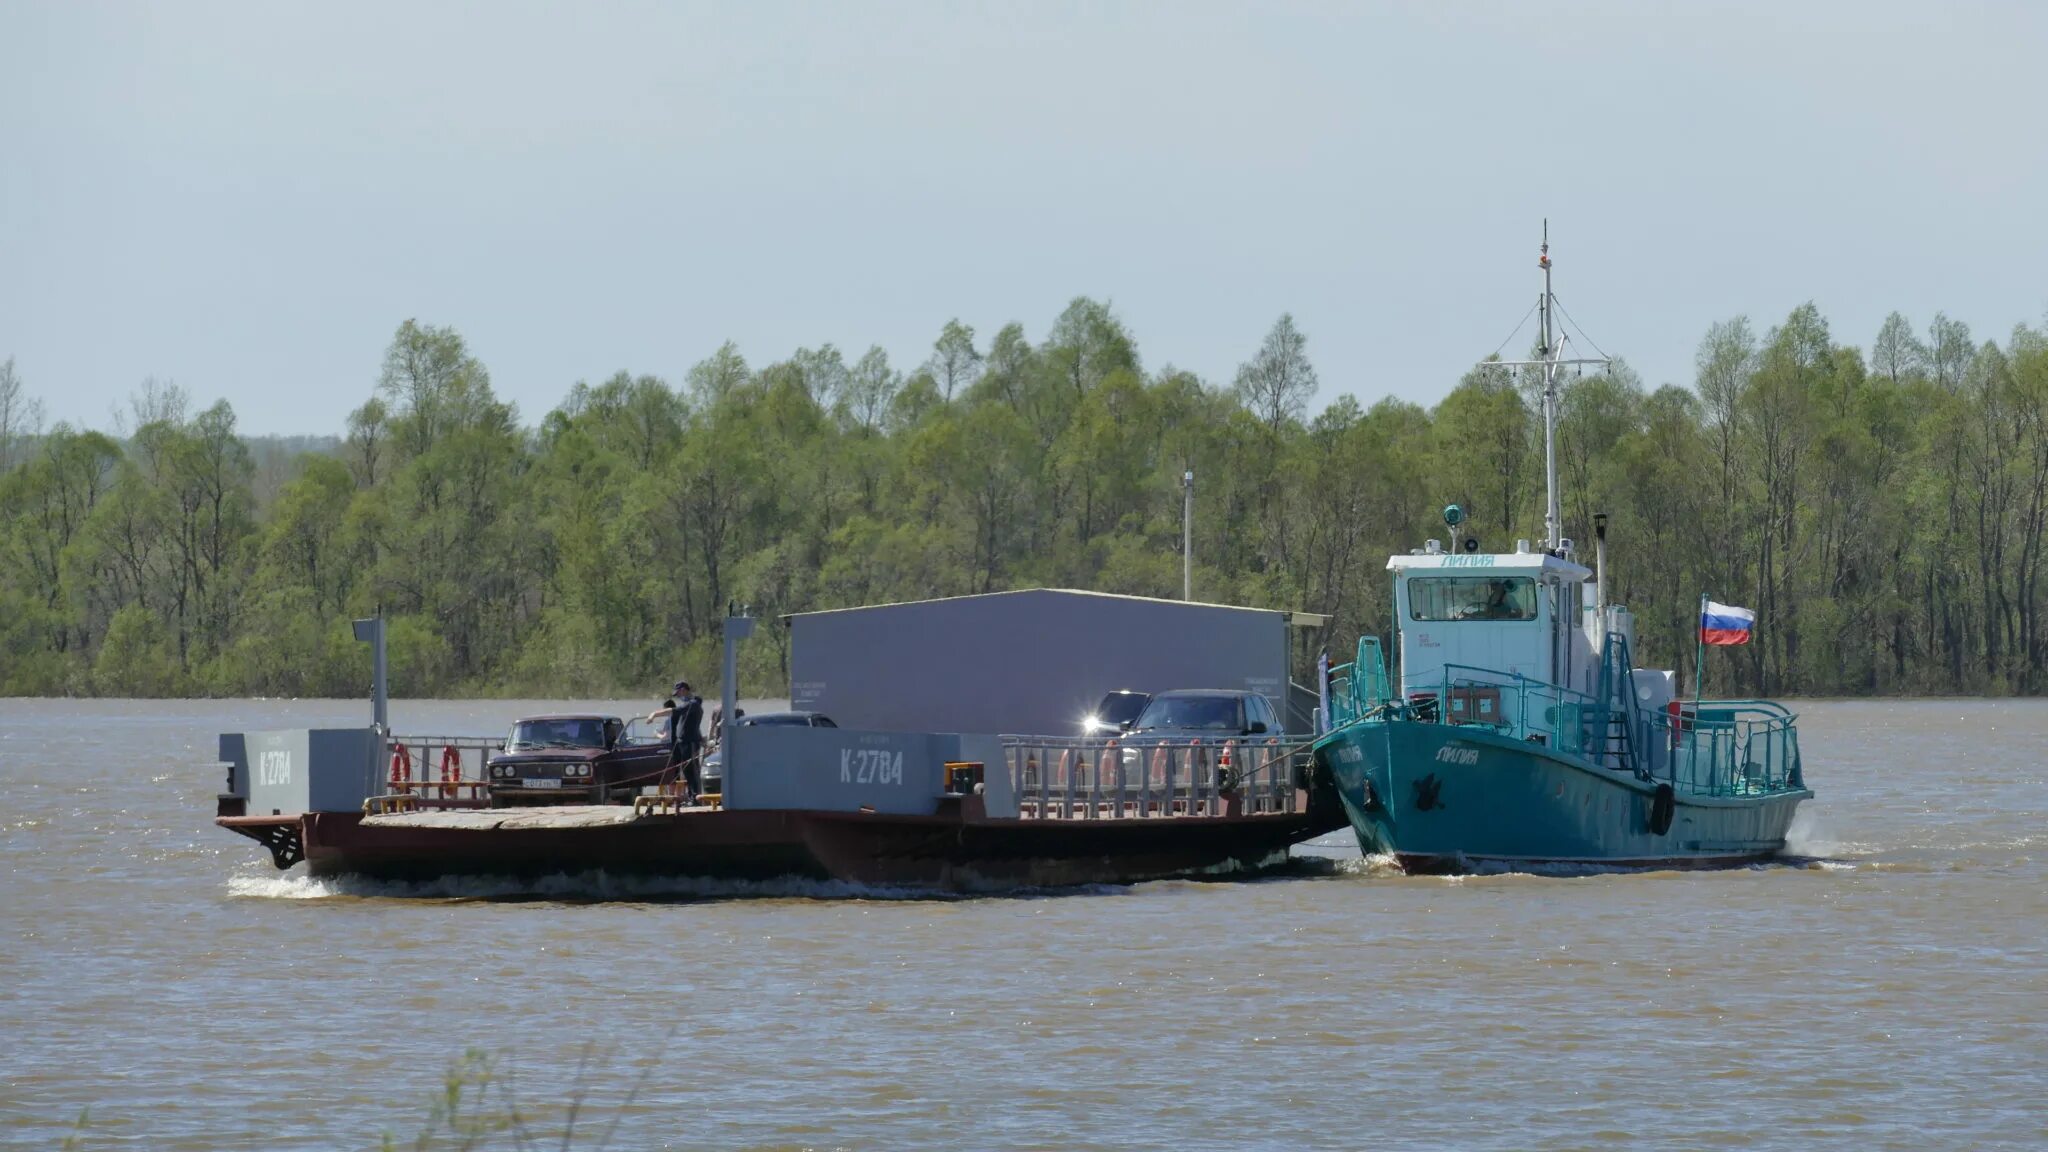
(1472, 598)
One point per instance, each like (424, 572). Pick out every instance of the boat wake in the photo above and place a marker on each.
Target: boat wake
(1808, 839)
(602, 887)
(584, 887)
(1349, 866)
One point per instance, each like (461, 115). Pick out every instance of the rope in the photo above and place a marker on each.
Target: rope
(1575, 325)
(1518, 328)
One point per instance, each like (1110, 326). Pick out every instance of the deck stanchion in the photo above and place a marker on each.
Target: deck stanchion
(1272, 775)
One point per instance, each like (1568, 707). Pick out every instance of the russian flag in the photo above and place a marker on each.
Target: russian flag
(1721, 624)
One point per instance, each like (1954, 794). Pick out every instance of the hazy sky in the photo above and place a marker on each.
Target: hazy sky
(249, 198)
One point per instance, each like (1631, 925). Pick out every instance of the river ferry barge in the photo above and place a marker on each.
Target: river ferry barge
(900, 810)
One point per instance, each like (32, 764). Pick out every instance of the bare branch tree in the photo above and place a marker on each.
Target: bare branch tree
(156, 402)
(1279, 381)
(21, 415)
(954, 361)
(870, 386)
(1897, 353)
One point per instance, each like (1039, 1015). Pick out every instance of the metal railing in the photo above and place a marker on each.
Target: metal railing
(1359, 688)
(1518, 707)
(1123, 778)
(1723, 748)
(1729, 748)
(423, 766)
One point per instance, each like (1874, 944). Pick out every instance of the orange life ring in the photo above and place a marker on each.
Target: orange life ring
(401, 764)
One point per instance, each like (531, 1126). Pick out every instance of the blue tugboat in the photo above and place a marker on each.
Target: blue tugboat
(1522, 736)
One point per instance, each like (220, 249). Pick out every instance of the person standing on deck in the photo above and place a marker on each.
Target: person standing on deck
(686, 734)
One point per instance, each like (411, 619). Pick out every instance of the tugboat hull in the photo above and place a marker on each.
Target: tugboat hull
(1450, 798)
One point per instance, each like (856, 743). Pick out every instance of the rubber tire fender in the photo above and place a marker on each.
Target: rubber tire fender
(1662, 808)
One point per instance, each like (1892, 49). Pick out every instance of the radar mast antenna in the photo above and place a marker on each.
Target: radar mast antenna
(1553, 520)
(1549, 358)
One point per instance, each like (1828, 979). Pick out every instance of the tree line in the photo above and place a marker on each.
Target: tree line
(1884, 512)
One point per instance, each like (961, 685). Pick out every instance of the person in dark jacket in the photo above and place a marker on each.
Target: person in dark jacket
(686, 734)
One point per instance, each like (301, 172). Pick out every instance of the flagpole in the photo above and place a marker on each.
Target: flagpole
(1699, 673)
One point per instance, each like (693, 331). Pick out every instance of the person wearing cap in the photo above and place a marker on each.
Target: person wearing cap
(686, 734)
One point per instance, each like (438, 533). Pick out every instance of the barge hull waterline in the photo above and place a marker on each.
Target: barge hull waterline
(935, 853)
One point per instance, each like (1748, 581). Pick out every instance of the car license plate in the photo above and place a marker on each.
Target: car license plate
(540, 782)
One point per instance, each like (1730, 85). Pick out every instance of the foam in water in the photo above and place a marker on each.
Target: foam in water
(594, 886)
(282, 887)
(1809, 838)
(1384, 864)
(561, 886)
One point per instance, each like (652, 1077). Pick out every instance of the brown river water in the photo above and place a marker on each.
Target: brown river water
(160, 978)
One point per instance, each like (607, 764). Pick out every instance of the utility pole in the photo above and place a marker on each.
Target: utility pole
(1187, 535)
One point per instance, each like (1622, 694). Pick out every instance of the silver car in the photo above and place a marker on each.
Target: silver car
(713, 772)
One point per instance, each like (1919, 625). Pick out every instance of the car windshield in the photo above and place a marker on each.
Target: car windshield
(1118, 707)
(778, 719)
(1218, 712)
(582, 733)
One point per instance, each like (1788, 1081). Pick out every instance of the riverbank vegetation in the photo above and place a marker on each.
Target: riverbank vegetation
(1884, 511)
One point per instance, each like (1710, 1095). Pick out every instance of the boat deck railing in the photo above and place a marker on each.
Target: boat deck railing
(1052, 777)
(448, 768)
(1728, 747)
(1133, 777)
(1360, 687)
(1518, 707)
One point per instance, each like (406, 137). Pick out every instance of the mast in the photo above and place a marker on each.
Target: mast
(1553, 516)
(1549, 357)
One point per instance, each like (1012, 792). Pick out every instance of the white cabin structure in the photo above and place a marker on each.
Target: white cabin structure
(1525, 613)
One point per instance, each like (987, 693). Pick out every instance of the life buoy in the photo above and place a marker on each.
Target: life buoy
(1662, 808)
(401, 764)
(1109, 766)
(451, 768)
